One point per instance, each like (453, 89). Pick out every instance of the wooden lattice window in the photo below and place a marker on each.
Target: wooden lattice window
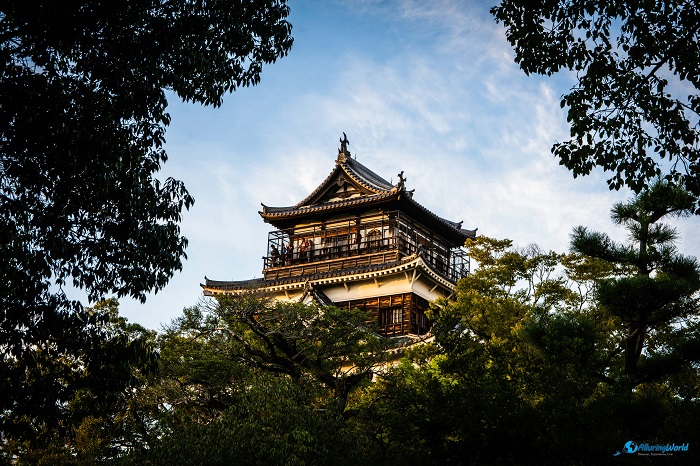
(374, 238)
(392, 316)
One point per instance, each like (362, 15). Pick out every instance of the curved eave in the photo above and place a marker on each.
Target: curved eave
(281, 217)
(271, 214)
(222, 286)
(354, 170)
(452, 231)
(341, 276)
(317, 296)
(364, 176)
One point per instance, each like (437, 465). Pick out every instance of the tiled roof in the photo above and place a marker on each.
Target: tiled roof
(269, 212)
(381, 191)
(259, 282)
(365, 176)
(354, 170)
(233, 285)
(408, 261)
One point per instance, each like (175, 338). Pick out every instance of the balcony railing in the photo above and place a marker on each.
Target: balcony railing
(306, 250)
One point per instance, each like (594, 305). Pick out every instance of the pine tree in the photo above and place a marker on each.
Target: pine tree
(655, 294)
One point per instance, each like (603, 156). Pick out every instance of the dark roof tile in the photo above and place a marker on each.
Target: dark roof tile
(366, 175)
(259, 282)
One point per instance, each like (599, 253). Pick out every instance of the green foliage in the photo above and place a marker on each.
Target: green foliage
(650, 305)
(82, 126)
(512, 352)
(657, 298)
(89, 421)
(272, 420)
(635, 106)
(334, 346)
(406, 417)
(526, 368)
(245, 380)
(242, 380)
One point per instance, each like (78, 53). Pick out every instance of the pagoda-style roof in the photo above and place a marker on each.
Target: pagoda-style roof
(226, 285)
(402, 265)
(352, 187)
(259, 282)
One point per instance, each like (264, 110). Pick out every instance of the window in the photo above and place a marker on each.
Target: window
(374, 238)
(390, 316)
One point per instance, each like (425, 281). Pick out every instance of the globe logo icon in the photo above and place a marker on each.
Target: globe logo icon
(631, 447)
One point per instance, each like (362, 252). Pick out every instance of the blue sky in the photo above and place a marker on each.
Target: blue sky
(429, 88)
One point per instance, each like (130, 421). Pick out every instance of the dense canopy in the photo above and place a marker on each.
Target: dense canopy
(82, 126)
(634, 108)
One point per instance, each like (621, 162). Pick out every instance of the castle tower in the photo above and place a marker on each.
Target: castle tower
(359, 241)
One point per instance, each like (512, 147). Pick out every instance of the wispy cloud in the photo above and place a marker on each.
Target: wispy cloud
(447, 105)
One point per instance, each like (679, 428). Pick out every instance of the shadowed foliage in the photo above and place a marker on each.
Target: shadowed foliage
(83, 112)
(635, 106)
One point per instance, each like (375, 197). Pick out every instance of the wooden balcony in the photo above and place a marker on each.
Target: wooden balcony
(359, 243)
(308, 266)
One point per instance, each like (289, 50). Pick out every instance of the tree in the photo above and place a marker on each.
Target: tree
(485, 392)
(635, 106)
(491, 337)
(269, 420)
(526, 368)
(657, 300)
(247, 380)
(94, 389)
(651, 306)
(82, 121)
(334, 346)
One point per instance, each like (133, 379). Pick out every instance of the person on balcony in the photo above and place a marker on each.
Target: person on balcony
(358, 241)
(290, 252)
(283, 254)
(274, 255)
(304, 249)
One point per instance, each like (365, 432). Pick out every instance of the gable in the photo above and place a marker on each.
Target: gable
(338, 186)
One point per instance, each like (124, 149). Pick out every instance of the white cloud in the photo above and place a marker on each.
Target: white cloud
(448, 106)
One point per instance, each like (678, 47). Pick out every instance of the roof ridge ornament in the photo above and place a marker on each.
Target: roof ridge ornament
(401, 186)
(343, 152)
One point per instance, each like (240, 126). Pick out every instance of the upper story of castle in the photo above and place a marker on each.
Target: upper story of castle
(356, 218)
